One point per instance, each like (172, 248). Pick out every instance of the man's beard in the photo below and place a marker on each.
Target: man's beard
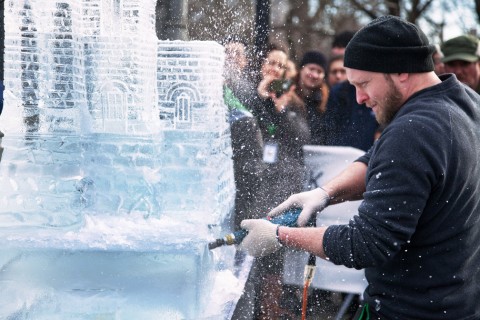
(392, 103)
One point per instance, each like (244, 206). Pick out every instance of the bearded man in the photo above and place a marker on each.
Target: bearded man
(417, 231)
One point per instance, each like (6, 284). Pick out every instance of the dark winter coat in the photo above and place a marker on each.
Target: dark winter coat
(417, 232)
(247, 148)
(289, 131)
(345, 122)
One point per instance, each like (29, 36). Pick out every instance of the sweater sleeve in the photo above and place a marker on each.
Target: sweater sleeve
(404, 166)
(366, 157)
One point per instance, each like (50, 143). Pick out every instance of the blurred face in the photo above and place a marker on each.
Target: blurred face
(274, 64)
(311, 76)
(466, 72)
(337, 72)
(378, 91)
(235, 57)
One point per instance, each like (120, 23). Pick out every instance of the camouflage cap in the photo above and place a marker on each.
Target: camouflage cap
(465, 48)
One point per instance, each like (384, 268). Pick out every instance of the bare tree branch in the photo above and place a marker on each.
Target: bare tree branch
(310, 24)
(418, 10)
(370, 13)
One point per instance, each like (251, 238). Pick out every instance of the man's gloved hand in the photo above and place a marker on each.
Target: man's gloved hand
(310, 201)
(261, 239)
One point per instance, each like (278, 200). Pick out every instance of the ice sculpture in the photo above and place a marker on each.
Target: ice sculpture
(116, 163)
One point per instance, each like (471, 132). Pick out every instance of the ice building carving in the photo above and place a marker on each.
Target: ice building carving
(116, 161)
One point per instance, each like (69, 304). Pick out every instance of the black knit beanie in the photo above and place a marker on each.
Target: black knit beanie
(390, 45)
(315, 57)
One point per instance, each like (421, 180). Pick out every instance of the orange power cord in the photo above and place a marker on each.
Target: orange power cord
(308, 277)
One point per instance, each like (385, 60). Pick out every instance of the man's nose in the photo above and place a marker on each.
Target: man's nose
(361, 97)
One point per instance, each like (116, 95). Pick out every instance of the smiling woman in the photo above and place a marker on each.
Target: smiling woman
(313, 90)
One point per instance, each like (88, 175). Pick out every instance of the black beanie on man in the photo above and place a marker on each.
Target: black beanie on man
(390, 45)
(315, 57)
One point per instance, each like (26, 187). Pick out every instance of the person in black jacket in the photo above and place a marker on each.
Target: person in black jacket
(417, 231)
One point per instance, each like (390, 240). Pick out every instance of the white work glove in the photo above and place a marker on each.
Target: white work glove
(261, 239)
(310, 201)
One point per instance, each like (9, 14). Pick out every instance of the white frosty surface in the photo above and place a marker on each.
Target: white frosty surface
(131, 232)
(225, 293)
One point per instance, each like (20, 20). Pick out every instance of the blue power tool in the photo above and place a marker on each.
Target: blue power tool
(288, 219)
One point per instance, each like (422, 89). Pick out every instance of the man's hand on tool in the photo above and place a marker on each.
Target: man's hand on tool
(311, 201)
(261, 239)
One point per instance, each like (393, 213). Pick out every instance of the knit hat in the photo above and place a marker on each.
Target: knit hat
(465, 48)
(389, 45)
(315, 57)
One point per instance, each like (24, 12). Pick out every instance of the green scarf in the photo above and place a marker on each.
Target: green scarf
(231, 101)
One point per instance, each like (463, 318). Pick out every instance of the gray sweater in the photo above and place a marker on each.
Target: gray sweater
(417, 232)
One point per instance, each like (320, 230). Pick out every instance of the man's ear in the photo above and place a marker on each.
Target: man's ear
(402, 77)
